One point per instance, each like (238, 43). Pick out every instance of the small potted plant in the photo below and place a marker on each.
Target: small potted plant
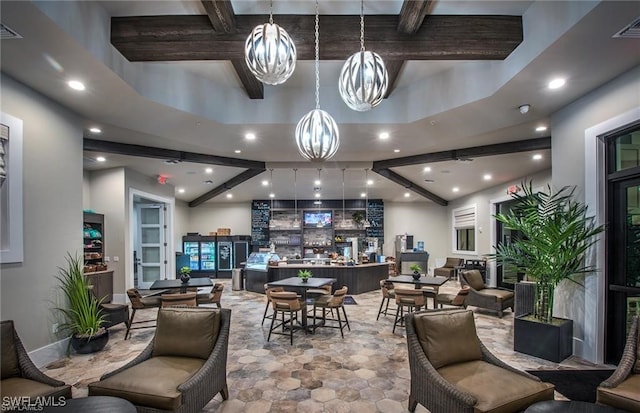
(304, 275)
(185, 274)
(416, 271)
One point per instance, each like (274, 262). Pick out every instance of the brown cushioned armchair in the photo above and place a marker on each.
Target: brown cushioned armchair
(481, 296)
(183, 367)
(452, 371)
(622, 389)
(20, 377)
(449, 268)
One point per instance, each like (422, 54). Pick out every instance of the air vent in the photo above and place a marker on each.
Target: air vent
(6, 33)
(632, 31)
(172, 161)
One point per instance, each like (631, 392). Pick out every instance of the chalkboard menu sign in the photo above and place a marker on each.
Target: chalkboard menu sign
(260, 223)
(375, 213)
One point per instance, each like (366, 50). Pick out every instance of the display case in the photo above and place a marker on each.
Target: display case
(259, 261)
(256, 271)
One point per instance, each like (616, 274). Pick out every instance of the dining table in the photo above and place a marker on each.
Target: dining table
(298, 285)
(176, 283)
(433, 283)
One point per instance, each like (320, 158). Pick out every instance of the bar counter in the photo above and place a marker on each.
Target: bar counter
(358, 278)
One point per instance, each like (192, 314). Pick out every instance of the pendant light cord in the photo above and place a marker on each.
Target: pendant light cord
(317, 57)
(343, 212)
(295, 193)
(271, 12)
(362, 26)
(366, 197)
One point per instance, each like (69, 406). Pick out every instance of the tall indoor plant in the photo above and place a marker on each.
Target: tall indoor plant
(83, 316)
(556, 234)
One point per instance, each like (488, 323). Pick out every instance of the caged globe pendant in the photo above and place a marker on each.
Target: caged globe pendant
(317, 134)
(363, 79)
(270, 53)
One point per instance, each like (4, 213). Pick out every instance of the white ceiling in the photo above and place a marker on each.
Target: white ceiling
(437, 105)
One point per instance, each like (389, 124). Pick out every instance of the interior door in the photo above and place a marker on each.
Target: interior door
(151, 245)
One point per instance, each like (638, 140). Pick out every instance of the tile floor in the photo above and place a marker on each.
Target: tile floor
(367, 371)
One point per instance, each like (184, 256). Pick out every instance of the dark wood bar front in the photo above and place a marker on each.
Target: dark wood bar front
(358, 279)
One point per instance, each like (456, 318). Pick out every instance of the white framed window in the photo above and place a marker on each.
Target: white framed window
(464, 230)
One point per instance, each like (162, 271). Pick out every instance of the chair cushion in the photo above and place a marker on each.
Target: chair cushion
(501, 295)
(497, 390)
(625, 396)
(474, 279)
(18, 386)
(151, 301)
(448, 337)
(10, 367)
(186, 332)
(152, 383)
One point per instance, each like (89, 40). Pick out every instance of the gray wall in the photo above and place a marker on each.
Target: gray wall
(52, 205)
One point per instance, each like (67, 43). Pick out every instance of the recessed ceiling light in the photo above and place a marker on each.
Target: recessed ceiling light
(487, 177)
(317, 182)
(209, 170)
(229, 195)
(318, 195)
(95, 130)
(557, 83)
(272, 195)
(237, 151)
(427, 169)
(396, 150)
(265, 183)
(250, 136)
(181, 190)
(537, 157)
(101, 159)
(76, 85)
(370, 182)
(317, 202)
(407, 194)
(455, 189)
(384, 135)
(362, 194)
(541, 128)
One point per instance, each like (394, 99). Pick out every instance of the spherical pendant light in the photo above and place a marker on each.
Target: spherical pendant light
(270, 53)
(363, 81)
(317, 136)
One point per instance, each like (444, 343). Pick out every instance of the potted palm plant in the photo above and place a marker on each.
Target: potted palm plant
(305, 275)
(83, 317)
(416, 271)
(556, 236)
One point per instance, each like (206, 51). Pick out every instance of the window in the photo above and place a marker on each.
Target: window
(464, 230)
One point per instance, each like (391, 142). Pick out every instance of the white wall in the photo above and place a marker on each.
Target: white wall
(52, 207)
(209, 217)
(181, 218)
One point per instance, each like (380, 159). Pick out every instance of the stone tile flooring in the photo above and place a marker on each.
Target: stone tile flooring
(367, 371)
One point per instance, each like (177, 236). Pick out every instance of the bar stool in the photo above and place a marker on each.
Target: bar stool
(267, 291)
(330, 302)
(387, 289)
(285, 302)
(187, 299)
(411, 299)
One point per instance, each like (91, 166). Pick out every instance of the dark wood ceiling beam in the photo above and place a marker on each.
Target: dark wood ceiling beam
(161, 153)
(402, 181)
(412, 15)
(223, 20)
(231, 183)
(188, 37)
(473, 152)
(393, 71)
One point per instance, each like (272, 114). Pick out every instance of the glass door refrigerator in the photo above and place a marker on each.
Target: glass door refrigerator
(202, 254)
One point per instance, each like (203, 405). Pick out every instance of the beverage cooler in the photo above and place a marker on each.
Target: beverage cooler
(215, 256)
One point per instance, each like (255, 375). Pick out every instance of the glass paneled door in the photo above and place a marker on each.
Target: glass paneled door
(151, 244)
(508, 275)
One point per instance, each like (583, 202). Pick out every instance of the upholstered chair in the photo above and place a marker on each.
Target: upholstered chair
(449, 268)
(452, 371)
(481, 296)
(622, 389)
(267, 292)
(331, 302)
(288, 305)
(187, 299)
(457, 299)
(212, 297)
(138, 302)
(20, 377)
(183, 367)
(388, 294)
(408, 299)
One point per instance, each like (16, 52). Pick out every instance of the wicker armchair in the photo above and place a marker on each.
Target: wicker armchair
(452, 371)
(183, 367)
(481, 296)
(622, 389)
(20, 377)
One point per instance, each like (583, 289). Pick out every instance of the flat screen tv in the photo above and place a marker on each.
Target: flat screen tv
(317, 219)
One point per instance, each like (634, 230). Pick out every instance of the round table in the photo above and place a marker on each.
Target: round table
(562, 406)
(93, 404)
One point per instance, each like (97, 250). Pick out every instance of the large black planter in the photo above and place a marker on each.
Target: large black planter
(551, 342)
(95, 343)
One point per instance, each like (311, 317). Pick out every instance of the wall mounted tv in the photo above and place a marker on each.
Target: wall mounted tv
(317, 219)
